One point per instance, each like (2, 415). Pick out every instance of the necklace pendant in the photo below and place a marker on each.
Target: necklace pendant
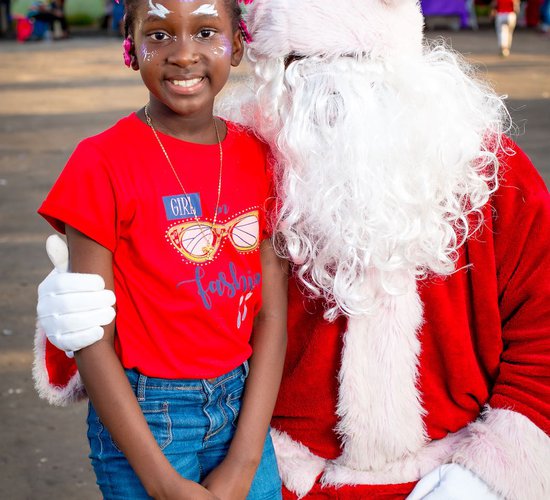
(208, 251)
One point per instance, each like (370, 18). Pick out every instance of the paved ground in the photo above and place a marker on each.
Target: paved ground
(50, 96)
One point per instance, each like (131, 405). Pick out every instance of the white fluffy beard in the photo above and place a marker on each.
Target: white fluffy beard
(380, 166)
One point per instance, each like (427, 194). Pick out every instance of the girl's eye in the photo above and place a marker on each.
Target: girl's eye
(159, 36)
(205, 34)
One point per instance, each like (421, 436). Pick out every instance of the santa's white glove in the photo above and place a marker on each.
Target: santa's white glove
(72, 306)
(452, 482)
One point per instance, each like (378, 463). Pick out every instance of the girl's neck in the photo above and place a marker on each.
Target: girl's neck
(197, 128)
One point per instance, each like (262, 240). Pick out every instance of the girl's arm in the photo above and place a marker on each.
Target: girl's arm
(111, 394)
(233, 477)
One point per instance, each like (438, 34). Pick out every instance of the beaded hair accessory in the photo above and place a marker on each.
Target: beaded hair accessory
(127, 45)
(242, 23)
(244, 31)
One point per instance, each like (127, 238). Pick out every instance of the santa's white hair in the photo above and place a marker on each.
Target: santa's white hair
(383, 163)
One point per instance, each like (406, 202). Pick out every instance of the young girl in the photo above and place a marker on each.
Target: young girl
(168, 206)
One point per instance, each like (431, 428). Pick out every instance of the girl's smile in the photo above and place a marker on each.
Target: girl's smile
(188, 86)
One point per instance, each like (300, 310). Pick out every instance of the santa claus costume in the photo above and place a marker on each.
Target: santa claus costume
(419, 320)
(420, 233)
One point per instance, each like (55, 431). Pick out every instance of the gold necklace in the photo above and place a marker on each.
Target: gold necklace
(209, 248)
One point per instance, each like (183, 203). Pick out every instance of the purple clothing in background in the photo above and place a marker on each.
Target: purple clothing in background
(446, 8)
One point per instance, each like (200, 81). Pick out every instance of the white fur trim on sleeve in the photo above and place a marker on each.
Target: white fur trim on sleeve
(510, 453)
(298, 466)
(59, 396)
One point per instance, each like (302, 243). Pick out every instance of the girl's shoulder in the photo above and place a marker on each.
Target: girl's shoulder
(111, 148)
(117, 136)
(517, 173)
(245, 136)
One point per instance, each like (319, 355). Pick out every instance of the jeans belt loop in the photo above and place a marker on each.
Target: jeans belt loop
(246, 369)
(141, 384)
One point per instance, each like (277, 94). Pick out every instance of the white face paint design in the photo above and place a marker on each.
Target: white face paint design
(157, 9)
(146, 55)
(206, 9)
(223, 49)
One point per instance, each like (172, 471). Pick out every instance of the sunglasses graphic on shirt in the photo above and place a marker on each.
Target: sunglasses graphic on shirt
(200, 241)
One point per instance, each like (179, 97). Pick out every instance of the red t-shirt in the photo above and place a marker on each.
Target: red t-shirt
(178, 316)
(505, 6)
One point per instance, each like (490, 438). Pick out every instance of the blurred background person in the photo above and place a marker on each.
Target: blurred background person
(545, 17)
(472, 15)
(47, 16)
(532, 13)
(5, 17)
(117, 17)
(505, 14)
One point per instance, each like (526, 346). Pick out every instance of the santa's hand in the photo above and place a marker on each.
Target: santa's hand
(71, 306)
(452, 482)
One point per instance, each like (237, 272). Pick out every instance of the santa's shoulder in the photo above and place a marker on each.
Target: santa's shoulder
(518, 176)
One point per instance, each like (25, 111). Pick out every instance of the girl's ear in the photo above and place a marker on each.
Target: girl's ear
(129, 54)
(134, 64)
(237, 48)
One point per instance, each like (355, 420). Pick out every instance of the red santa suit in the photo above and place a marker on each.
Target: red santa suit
(457, 370)
(453, 368)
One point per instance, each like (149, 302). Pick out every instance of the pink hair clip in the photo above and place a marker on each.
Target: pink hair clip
(127, 45)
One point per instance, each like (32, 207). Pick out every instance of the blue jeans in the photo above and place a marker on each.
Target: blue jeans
(193, 421)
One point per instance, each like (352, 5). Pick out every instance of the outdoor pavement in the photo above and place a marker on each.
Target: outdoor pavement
(52, 95)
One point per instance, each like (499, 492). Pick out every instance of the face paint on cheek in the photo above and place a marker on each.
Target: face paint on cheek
(223, 48)
(157, 9)
(146, 55)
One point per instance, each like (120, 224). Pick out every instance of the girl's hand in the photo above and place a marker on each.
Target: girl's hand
(229, 480)
(178, 488)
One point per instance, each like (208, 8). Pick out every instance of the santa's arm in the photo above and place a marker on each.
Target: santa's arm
(508, 446)
(71, 310)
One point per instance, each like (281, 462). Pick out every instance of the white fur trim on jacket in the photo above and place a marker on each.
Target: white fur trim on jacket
(504, 448)
(377, 28)
(510, 453)
(60, 396)
(298, 466)
(405, 469)
(379, 405)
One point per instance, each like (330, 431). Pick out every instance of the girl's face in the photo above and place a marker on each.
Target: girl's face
(184, 50)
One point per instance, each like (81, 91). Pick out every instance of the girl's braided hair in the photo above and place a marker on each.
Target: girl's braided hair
(131, 7)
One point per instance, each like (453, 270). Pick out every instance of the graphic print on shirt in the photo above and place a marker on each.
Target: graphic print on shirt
(243, 309)
(199, 241)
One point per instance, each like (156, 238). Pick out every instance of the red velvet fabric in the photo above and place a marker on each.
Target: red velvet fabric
(60, 369)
